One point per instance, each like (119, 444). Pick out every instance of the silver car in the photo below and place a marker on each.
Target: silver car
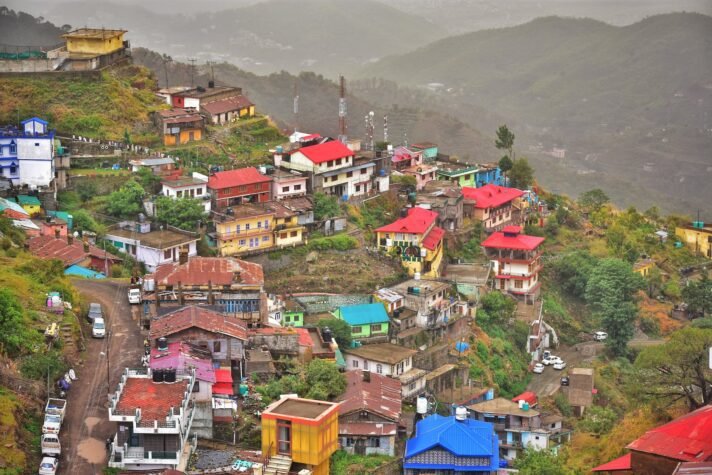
(94, 312)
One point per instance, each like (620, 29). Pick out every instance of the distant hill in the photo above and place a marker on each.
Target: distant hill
(19, 29)
(326, 36)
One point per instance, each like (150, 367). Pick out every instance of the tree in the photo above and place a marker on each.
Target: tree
(677, 370)
(521, 175)
(86, 190)
(654, 281)
(611, 290)
(324, 380)
(325, 206)
(537, 462)
(151, 183)
(572, 271)
(698, 295)
(505, 140)
(340, 329)
(505, 164)
(599, 420)
(83, 221)
(593, 200)
(127, 201)
(183, 213)
(496, 308)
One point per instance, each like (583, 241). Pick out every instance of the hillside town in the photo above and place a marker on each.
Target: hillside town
(333, 305)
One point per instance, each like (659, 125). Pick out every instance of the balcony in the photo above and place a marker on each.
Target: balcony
(243, 233)
(125, 455)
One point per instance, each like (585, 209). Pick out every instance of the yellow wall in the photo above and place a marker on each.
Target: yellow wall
(95, 45)
(699, 240)
(435, 257)
(645, 270)
(229, 240)
(32, 209)
(311, 444)
(289, 239)
(170, 139)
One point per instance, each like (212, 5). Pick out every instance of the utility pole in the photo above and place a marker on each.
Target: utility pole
(342, 110)
(192, 71)
(166, 60)
(296, 106)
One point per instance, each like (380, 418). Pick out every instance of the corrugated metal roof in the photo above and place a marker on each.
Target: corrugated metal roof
(468, 438)
(380, 395)
(364, 314)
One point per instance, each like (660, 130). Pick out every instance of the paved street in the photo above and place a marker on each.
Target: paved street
(86, 425)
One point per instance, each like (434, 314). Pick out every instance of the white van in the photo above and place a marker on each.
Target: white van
(600, 336)
(98, 329)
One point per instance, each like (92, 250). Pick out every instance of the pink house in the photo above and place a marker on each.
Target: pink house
(53, 227)
(423, 174)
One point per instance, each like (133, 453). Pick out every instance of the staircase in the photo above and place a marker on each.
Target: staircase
(278, 465)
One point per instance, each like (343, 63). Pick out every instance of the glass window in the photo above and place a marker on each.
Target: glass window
(355, 329)
(167, 254)
(379, 368)
(13, 148)
(247, 227)
(354, 363)
(376, 328)
(364, 171)
(297, 187)
(349, 174)
(242, 242)
(199, 191)
(293, 234)
(259, 224)
(285, 189)
(266, 223)
(265, 238)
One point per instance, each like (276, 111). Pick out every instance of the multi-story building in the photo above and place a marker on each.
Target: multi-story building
(154, 420)
(416, 240)
(27, 155)
(459, 174)
(179, 126)
(431, 300)
(492, 205)
(697, 237)
(303, 431)
(195, 186)
(92, 48)
(288, 184)
(488, 174)
(516, 261)
(9, 163)
(404, 158)
(429, 149)
(235, 187)
(423, 174)
(445, 198)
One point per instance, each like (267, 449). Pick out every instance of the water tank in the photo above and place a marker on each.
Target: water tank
(279, 149)
(461, 413)
(525, 406)
(169, 375)
(416, 276)
(421, 405)
(158, 376)
(162, 344)
(327, 334)
(149, 285)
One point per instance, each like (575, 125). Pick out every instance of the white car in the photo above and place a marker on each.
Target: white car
(560, 365)
(98, 328)
(600, 336)
(552, 360)
(538, 368)
(48, 466)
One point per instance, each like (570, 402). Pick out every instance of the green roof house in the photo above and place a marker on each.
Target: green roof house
(369, 322)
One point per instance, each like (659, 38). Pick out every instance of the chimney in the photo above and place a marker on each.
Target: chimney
(366, 376)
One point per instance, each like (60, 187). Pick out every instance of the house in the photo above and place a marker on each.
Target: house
(416, 240)
(580, 390)
(445, 199)
(429, 149)
(492, 205)
(153, 421)
(405, 158)
(369, 322)
(644, 266)
(430, 300)
(184, 357)
(488, 174)
(293, 314)
(288, 232)
(72, 251)
(423, 174)
(664, 450)
(697, 237)
(303, 207)
(451, 445)
(468, 279)
(389, 360)
(390, 299)
(9, 162)
(62, 215)
(244, 228)
(235, 187)
(35, 154)
(179, 126)
(221, 335)
(302, 431)
(234, 286)
(369, 414)
(157, 165)
(516, 261)
(230, 109)
(195, 186)
(458, 174)
(287, 342)
(288, 184)
(194, 97)
(152, 248)
(12, 210)
(517, 426)
(92, 48)
(31, 204)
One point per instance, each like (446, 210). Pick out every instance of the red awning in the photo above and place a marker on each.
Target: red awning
(616, 465)
(223, 388)
(223, 376)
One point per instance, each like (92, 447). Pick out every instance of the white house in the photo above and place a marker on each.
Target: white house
(195, 186)
(153, 248)
(35, 154)
(288, 184)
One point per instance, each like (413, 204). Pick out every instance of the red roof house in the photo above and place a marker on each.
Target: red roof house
(417, 221)
(491, 204)
(234, 187)
(511, 237)
(528, 396)
(327, 151)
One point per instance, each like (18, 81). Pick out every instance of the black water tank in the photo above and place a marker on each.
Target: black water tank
(158, 376)
(169, 375)
(326, 334)
(162, 344)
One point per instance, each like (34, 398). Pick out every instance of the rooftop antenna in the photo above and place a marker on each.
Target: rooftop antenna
(296, 106)
(192, 71)
(405, 138)
(342, 110)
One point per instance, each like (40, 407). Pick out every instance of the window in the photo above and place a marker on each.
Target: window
(198, 191)
(376, 328)
(13, 169)
(242, 242)
(518, 284)
(379, 368)
(349, 441)
(167, 254)
(0, 150)
(216, 347)
(284, 437)
(37, 144)
(329, 164)
(338, 162)
(259, 224)
(285, 189)
(358, 188)
(13, 148)
(334, 178)
(283, 235)
(355, 329)
(179, 194)
(242, 188)
(266, 223)
(374, 441)
(196, 386)
(349, 174)
(237, 229)
(364, 171)
(265, 238)
(247, 227)
(297, 187)
(354, 363)
(411, 386)
(293, 234)
(365, 365)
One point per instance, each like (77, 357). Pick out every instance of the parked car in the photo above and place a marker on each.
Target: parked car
(134, 294)
(560, 365)
(49, 443)
(538, 368)
(48, 466)
(552, 360)
(565, 381)
(600, 336)
(98, 328)
(54, 415)
(94, 312)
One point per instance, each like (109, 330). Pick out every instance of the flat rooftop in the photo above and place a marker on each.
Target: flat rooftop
(425, 286)
(154, 399)
(302, 408)
(382, 352)
(93, 33)
(155, 239)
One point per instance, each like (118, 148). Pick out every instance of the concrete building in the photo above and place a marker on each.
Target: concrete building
(236, 187)
(195, 186)
(696, 236)
(492, 205)
(179, 126)
(27, 155)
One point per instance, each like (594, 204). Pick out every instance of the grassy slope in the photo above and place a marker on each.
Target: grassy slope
(121, 100)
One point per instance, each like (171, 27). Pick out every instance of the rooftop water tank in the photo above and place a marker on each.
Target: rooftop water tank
(461, 413)
(421, 405)
(162, 344)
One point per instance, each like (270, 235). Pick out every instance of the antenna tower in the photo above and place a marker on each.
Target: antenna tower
(342, 110)
(192, 71)
(385, 128)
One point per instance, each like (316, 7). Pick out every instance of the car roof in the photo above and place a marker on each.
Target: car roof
(97, 320)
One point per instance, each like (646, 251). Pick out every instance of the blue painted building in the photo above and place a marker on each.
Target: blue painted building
(27, 154)
(451, 446)
(9, 164)
(488, 174)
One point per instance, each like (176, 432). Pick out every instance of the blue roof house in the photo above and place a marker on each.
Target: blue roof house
(369, 322)
(448, 445)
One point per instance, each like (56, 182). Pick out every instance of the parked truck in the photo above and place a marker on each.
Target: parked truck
(54, 415)
(135, 294)
(50, 445)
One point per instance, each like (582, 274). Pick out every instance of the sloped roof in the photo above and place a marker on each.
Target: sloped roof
(368, 428)
(234, 103)
(490, 196)
(528, 396)
(199, 317)
(615, 465)
(380, 395)
(179, 355)
(433, 238)
(216, 270)
(512, 240)
(50, 247)
(10, 209)
(364, 314)
(687, 438)
(326, 151)
(239, 177)
(468, 438)
(417, 221)
(28, 200)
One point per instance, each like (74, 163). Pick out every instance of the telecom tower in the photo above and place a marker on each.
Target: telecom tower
(369, 131)
(342, 110)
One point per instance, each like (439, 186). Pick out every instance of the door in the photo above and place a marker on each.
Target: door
(284, 438)
(360, 447)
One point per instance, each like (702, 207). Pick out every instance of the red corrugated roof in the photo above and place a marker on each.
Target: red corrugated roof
(490, 196)
(326, 151)
(418, 221)
(433, 238)
(50, 247)
(154, 399)
(194, 316)
(380, 395)
(216, 270)
(621, 463)
(687, 438)
(522, 242)
(239, 177)
(528, 396)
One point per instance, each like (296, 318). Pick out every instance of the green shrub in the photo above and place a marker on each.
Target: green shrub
(37, 365)
(563, 404)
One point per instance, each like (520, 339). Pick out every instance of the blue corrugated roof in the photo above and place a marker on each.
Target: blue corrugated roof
(83, 272)
(7, 204)
(468, 438)
(364, 314)
(34, 119)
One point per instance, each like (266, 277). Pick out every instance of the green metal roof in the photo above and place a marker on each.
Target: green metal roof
(459, 171)
(28, 200)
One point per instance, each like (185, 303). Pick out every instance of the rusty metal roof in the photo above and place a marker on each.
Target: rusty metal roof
(199, 317)
(219, 271)
(380, 395)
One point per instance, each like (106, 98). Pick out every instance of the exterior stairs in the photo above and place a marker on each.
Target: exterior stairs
(278, 465)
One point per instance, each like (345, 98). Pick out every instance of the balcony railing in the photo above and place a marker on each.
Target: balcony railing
(243, 233)
(122, 455)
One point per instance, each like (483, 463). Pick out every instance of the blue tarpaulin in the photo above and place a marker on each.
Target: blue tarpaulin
(83, 272)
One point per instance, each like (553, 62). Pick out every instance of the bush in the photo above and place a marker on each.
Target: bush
(36, 366)
(650, 326)
(339, 242)
(563, 404)
(598, 420)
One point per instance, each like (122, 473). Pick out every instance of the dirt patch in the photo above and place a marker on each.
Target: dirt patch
(92, 450)
(660, 312)
(90, 422)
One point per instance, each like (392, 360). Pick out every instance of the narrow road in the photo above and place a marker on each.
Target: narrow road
(86, 426)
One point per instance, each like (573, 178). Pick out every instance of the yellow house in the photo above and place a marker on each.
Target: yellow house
(287, 230)
(31, 204)
(697, 237)
(644, 267)
(244, 228)
(416, 240)
(94, 41)
(304, 431)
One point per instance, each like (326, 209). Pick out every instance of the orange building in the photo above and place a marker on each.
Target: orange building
(179, 126)
(300, 431)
